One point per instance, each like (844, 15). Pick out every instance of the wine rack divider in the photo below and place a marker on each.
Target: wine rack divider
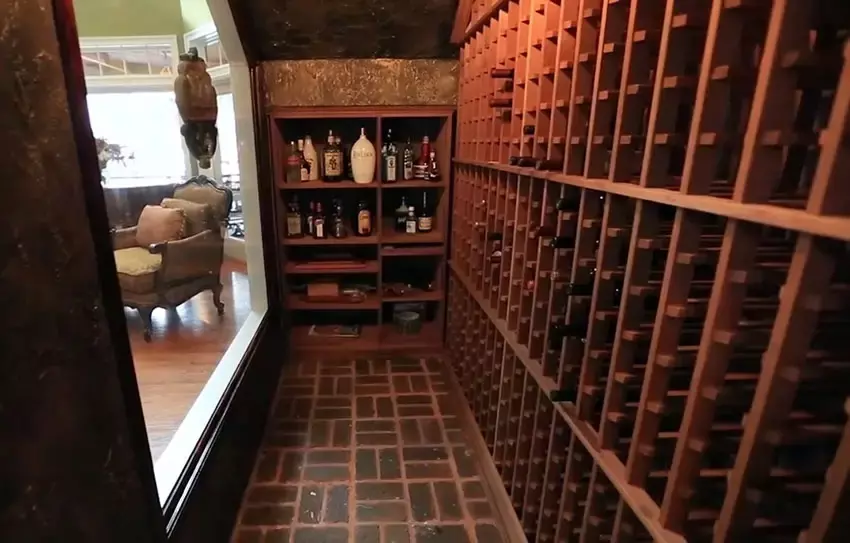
(695, 153)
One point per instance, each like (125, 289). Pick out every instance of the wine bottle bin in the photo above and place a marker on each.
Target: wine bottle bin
(650, 269)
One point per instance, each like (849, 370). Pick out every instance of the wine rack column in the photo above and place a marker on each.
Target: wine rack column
(585, 26)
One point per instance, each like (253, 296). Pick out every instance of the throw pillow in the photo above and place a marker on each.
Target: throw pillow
(158, 224)
(198, 216)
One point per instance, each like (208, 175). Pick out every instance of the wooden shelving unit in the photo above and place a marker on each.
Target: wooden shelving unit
(650, 274)
(374, 261)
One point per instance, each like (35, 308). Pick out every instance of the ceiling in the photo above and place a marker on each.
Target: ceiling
(314, 29)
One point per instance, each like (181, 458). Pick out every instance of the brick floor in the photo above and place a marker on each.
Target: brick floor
(365, 450)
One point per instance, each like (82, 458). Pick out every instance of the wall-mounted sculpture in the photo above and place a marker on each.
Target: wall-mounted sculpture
(196, 102)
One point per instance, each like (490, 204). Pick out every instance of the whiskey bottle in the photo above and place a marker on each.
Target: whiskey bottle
(389, 150)
(337, 223)
(433, 168)
(401, 216)
(549, 165)
(319, 223)
(364, 219)
(293, 220)
(293, 164)
(332, 159)
(305, 166)
(407, 162)
(410, 221)
(425, 221)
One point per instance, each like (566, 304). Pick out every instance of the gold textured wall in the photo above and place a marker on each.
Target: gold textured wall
(360, 82)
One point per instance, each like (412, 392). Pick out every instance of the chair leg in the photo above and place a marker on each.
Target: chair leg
(219, 305)
(145, 313)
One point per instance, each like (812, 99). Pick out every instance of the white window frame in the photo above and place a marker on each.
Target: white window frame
(135, 82)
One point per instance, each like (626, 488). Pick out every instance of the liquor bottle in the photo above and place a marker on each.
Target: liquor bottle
(293, 220)
(410, 221)
(311, 157)
(549, 165)
(401, 216)
(305, 166)
(319, 223)
(345, 151)
(420, 169)
(433, 167)
(293, 164)
(528, 130)
(310, 216)
(501, 73)
(425, 221)
(364, 219)
(337, 223)
(407, 162)
(332, 159)
(389, 151)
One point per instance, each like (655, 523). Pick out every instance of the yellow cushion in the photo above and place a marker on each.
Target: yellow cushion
(197, 215)
(158, 224)
(137, 269)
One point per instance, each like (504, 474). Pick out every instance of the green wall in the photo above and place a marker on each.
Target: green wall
(100, 18)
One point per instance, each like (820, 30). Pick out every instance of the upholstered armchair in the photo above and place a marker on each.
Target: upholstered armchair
(176, 249)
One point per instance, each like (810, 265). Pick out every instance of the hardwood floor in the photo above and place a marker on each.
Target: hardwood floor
(187, 345)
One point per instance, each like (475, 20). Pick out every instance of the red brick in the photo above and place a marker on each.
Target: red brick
(389, 464)
(465, 462)
(323, 474)
(277, 535)
(344, 385)
(396, 533)
(385, 408)
(421, 502)
(473, 489)
(419, 383)
(367, 390)
(267, 515)
(410, 433)
(328, 457)
(367, 534)
(337, 507)
(415, 411)
(429, 470)
(382, 511)
(249, 535)
(376, 439)
(488, 533)
(401, 384)
(424, 454)
(447, 500)
(440, 533)
(330, 413)
(321, 535)
(365, 408)
(272, 494)
(310, 505)
(267, 466)
(479, 509)
(342, 433)
(320, 433)
(333, 402)
(414, 399)
(376, 426)
(291, 467)
(431, 431)
(366, 464)
(380, 491)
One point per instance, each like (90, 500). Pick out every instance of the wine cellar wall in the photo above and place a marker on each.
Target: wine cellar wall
(649, 274)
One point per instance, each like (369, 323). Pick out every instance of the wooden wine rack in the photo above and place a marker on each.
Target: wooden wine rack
(649, 265)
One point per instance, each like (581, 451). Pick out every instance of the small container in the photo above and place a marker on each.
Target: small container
(408, 323)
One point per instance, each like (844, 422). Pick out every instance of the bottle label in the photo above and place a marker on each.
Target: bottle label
(305, 173)
(425, 224)
(320, 229)
(364, 223)
(293, 225)
(391, 168)
(411, 227)
(333, 163)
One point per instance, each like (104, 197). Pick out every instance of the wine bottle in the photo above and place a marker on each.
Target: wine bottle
(389, 151)
(401, 216)
(528, 130)
(501, 73)
(563, 242)
(425, 220)
(310, 216)
(549, 165)
(332, 159)
(501, 102)
(522, 161)
(319, 223)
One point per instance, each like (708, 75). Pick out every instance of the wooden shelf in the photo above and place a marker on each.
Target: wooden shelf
(412, 251)
(366, 267)
(415, 184)
(307, 241)
(371, 338)
(298, 302)
(327, 185)
(433, 296)
(398, 238)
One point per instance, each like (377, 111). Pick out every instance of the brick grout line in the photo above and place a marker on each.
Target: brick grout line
(352, 451)
(411, 535)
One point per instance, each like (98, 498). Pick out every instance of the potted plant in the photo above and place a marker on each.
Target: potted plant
(109, 152)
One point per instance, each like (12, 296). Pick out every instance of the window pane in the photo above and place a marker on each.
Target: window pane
(147, 127)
